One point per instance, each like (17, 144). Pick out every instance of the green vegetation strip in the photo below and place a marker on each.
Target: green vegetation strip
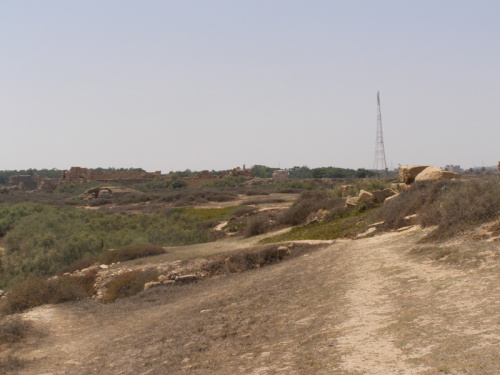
(344, 227)
(40, 239)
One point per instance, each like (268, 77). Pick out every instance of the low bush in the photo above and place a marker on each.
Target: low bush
(257, 224)
(256, 192)
(297, 185)
(190, 197)
(35, 291)
(130, 253)
(26, 294)
(242, 211)
(13, 329)
(257, 201)
(224, 182)
(128, 284)
(452, 206)
(308, 203)
(161, 183)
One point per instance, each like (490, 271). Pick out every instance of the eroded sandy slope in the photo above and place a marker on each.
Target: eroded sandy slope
(363, 306)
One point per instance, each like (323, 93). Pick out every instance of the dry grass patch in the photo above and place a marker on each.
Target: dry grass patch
(129, 283)
(13, 329)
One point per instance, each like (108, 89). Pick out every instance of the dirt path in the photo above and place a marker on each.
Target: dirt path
(352, 307)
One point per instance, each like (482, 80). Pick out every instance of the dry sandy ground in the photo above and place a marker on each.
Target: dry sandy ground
(366, 306)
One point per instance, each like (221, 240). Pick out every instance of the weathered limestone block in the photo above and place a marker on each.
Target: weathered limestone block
(408, 173)
(388, 199)
(434, 174)
(186, 279)
(351, 201)
(400, 187)
(151, 284)
(381, 195)
(365, 196)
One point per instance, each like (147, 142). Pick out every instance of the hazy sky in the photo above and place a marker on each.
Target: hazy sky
(208, 84)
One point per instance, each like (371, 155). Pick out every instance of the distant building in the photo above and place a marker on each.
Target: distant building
(453, 168)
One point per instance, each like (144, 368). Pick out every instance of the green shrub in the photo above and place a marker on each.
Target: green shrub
(242, 211)
(224, 182)
(294, 186)
(161, 183)
(129, 283)
(41, 240)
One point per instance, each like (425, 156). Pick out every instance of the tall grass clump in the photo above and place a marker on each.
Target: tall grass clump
(452, 206)
(129, 283)
(35, 291)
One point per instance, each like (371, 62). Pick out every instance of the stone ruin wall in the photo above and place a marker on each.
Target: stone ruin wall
(77, 175)
(24, 181)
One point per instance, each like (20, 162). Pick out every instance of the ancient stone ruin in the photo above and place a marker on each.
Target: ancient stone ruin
(280, 175)
(77, 175)
(236, 172)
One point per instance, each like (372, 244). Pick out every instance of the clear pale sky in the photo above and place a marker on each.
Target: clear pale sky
(207, 84)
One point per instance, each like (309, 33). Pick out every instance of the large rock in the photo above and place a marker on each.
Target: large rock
(186, 279)
(434, 174)
(351, 201)
(399, 187)
(365, 196)
(408, 173)
(381, 195)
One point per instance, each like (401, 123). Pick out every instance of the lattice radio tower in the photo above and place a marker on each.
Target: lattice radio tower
(379, 164)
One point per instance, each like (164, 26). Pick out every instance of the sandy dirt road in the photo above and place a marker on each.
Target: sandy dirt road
(351, 307)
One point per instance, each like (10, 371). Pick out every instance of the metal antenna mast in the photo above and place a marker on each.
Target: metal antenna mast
(379, 164)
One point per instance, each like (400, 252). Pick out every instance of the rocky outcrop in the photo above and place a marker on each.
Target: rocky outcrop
(411, 173)
(108, 192)
(434, 174)
(408, 173)
(399, 187)
(351, 201)
(381, 195)
(365, 196)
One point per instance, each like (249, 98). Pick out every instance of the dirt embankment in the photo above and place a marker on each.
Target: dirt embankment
(372, 306)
